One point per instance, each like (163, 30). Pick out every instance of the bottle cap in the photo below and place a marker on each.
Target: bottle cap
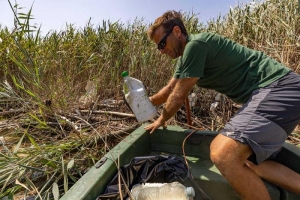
(124, 74)
(190, 192)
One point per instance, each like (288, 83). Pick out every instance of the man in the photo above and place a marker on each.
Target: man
(269, 91)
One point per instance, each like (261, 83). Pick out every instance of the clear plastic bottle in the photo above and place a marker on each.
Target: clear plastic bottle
(162, 191)
(137, 98)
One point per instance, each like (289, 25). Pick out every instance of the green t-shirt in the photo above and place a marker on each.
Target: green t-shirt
(226, 66)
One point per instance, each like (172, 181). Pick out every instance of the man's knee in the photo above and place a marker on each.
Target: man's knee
(216, 152)
(225, 151)
(219, 153)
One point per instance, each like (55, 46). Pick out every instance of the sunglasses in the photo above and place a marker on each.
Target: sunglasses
(163, 42)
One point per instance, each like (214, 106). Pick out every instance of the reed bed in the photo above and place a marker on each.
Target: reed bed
(61, 102)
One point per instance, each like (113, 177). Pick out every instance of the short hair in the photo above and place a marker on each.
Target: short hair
(168, 20)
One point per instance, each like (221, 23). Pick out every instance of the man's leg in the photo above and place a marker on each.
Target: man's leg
(277, 174)
(230, 156)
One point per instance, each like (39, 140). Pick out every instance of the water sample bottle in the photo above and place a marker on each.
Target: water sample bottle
(162, 191)
(137, 98)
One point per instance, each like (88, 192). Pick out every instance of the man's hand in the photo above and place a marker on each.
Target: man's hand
(155, 125)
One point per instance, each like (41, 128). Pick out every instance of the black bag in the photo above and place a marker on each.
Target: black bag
(151, 169)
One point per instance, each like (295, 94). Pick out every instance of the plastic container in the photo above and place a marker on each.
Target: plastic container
(160, 191)
(137, 98)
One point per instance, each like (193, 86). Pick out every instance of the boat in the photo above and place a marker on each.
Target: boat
(169, 142)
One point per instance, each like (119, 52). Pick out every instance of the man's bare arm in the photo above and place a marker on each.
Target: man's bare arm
(162, 96)
(174, 102)
(178, 97)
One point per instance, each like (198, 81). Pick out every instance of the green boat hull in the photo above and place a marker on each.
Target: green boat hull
(169, 142)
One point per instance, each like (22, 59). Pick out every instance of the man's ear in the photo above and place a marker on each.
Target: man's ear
(177, 31)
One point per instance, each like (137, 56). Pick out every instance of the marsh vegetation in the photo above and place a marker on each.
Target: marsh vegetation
(61, 99)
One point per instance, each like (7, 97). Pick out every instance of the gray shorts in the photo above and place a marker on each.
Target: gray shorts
(269, 116)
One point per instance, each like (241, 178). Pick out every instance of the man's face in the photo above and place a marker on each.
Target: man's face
(166, 42)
